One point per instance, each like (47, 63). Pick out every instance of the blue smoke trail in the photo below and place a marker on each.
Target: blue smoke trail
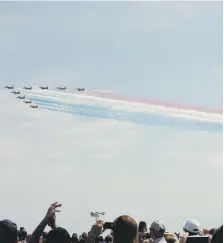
(95, 111)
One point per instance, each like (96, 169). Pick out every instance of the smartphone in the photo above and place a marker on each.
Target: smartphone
(108, 226)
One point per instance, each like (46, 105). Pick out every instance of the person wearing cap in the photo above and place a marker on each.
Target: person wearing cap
(157, 231)
(192, 227)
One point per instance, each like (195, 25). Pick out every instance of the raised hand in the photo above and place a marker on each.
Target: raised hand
(184, 237)
(51, 214)
(205, 231)
(96, 229)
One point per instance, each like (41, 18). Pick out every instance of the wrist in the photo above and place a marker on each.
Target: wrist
(44, 221)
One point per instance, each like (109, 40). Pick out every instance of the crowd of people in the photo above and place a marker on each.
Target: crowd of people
(123, 230)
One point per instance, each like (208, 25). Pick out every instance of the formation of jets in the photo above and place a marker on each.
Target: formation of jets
(23, 97)
(41, 87)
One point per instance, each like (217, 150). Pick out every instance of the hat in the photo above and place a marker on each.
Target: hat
(192, 226)
(158, 225)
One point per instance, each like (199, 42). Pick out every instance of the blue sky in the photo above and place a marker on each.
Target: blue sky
(169, 51)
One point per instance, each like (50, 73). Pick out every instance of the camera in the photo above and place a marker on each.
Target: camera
(108, 226)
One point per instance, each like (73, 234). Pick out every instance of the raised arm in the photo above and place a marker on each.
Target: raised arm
(49, 219)
(95, 232)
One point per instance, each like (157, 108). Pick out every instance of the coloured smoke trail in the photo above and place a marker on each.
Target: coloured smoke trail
(107, 107)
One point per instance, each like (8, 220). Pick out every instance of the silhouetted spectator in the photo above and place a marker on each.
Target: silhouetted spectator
(218, 235)
(8, 231)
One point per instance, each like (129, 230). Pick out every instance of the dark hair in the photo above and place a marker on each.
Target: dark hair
(190, 233)
(8, 231)
(23, 234)
(142, 227)
(124, 229)
(74, 238)
(58, 235)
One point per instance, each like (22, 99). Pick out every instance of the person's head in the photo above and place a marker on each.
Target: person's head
(108, 238)
(75, 238)
(142, 227)
(22, 234)
(58, 235)
(125, 230)
(171, 238)
(157, 229)
(8, 231)
(192, 227)
(84, 235)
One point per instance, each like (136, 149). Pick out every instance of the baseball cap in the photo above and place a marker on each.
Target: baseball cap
(192, 225)
(158, 225)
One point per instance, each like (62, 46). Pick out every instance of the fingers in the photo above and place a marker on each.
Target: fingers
(56, 205)
(99, 222)
(54, 208)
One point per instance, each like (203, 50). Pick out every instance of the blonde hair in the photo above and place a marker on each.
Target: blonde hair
(171, 238)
